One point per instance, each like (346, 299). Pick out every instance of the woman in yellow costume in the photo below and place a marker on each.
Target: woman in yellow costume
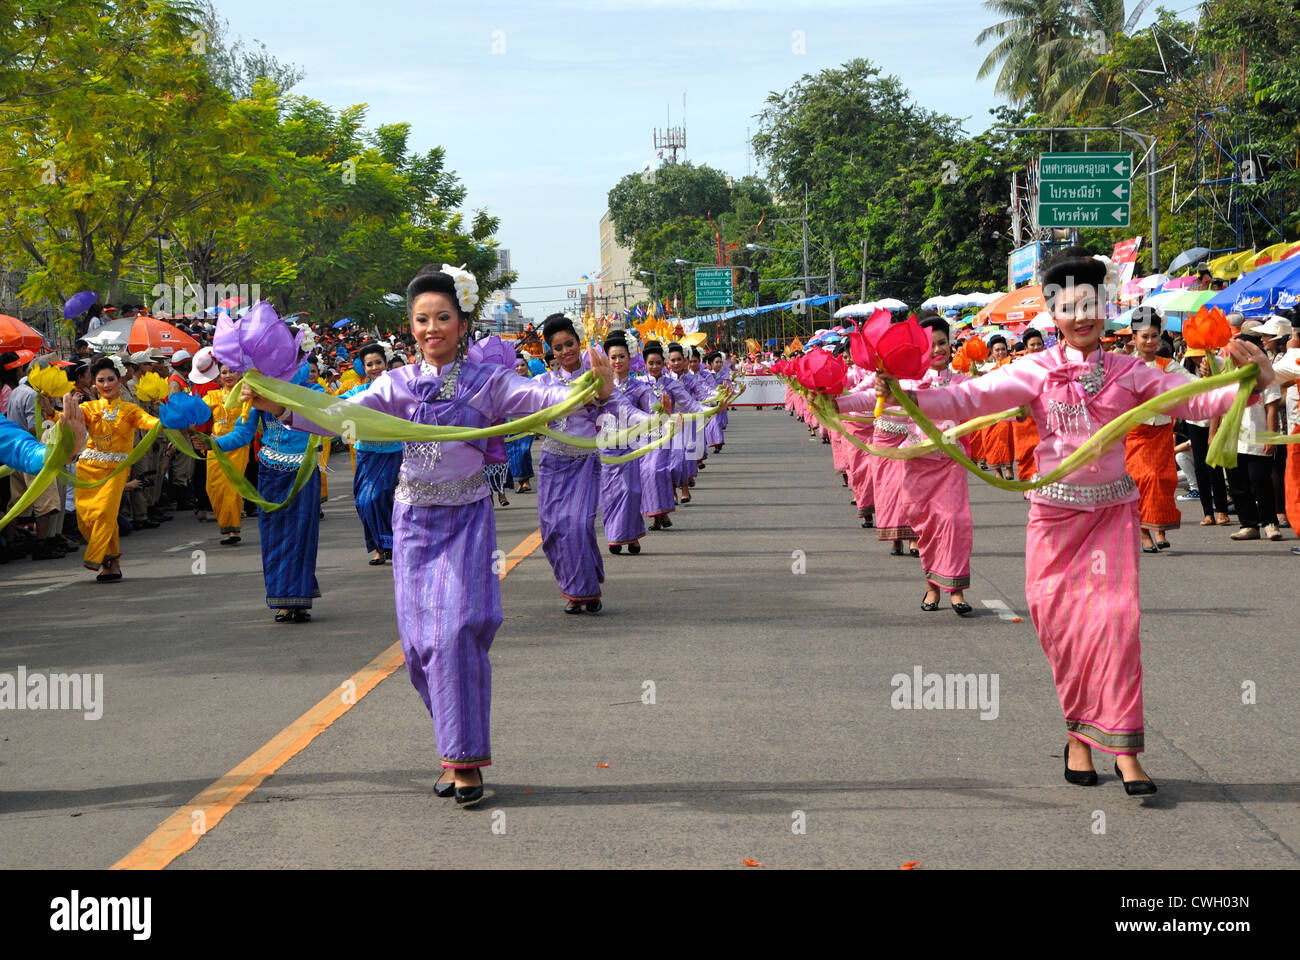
(227, 504)
(111, 423)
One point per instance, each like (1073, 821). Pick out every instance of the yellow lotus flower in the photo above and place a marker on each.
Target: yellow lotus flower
(49, 382)
(151, 387)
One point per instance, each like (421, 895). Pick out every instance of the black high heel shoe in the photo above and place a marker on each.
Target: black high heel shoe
(471, 794)
(445, 788)
(1080, 778)
(1136, 788)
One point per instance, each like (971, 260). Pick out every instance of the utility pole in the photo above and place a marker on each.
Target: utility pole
(864, 270)
(805, 252)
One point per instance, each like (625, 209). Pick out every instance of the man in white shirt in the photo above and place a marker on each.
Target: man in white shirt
(1251, 480)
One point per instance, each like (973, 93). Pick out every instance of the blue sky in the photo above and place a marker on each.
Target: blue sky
(542, 106)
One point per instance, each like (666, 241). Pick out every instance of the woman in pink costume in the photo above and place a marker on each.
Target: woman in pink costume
(1082, 542)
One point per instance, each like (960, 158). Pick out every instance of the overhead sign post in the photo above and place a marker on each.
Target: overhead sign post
(1081, 190)
(713, 287)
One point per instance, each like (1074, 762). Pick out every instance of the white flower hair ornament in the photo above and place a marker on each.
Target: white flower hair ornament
(118, 365)
(466, 286)
(306, 338)
(388, 351)
(1112, 275)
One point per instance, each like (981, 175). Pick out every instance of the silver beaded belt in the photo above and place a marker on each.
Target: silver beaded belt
(101, 456)
(1082, 493)
(559, 448)
(428, 493)
(885, 425)
(280, 461)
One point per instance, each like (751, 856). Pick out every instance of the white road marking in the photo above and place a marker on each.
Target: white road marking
(53, 586)
(1003, 611)
(184, 546)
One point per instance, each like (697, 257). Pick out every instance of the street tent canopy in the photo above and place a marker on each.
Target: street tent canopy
(768, 308)
(1258, 293)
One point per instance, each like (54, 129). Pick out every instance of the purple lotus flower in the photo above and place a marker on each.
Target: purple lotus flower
(492, 350)
(259, 340)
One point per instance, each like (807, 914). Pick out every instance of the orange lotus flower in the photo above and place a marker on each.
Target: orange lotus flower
(976, 350)
(961, 362)
(752, 863)
(911, 865)
(1207, 330)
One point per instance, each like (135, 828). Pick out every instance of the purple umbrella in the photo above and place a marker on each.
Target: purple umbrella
(78, 303)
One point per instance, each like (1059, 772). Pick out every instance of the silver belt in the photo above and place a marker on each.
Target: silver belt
(1083, 493)
(885, 425)
(428, 493)
(280, 461)
(559, 448)
(101, 456)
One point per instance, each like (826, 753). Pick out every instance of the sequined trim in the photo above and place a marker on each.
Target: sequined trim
(1082, 493)
(284, 462)
(1112, 741)
(427, 493)
(101, 456)
(892, 426)
(559, 448)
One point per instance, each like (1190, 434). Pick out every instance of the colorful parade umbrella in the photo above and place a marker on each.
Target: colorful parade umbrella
(1184, 301)
(1181, 283)
(1188, 258)
(1014, 307)
(343, 323)
(16, 335)
(79, 303)
(132, 334)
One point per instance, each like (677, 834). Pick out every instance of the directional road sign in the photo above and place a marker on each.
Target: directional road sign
(1084, 189)
(713, 287)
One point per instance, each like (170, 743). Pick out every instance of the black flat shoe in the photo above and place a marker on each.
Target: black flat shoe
(445, 788)
(1136, 788)
(1080, 778)
(913, 552)
(299, 615)
(929, 607)
(470, 794)
(284, 617)
(667, 523)
(573, 607)
(896, 552)
(634, 548)
(962, 609)
(616, 548)
(230, 541)
(593, 606)
(109, 577)
(1163, 544)
(376, 561)
(1150, 549)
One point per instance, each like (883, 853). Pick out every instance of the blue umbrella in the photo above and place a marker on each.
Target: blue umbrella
(78, 303)
(343, 323)
(1251, 293)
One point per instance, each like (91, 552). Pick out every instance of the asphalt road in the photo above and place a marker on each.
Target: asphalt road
(772, 735)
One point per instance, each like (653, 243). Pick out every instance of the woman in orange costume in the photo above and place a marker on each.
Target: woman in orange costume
(111, 423)
(1149, 448)
(1024, 433)
(227, 504)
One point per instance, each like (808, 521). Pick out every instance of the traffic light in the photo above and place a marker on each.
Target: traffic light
(753, 281)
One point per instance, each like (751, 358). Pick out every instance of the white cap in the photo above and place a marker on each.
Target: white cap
(205, 367)
(1274, 326)
(180, 356)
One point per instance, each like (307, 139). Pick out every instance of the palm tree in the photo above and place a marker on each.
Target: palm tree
(1026, 46)
(1080, 77)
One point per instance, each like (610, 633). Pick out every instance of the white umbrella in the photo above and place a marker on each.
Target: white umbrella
(889, 303)
(1158, 302)
(855, 310)
(1153, 281)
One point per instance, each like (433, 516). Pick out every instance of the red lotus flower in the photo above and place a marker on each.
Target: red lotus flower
(903, 349)
(822, 372)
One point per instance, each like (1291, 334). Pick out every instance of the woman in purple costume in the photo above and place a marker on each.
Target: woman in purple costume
(444, 530)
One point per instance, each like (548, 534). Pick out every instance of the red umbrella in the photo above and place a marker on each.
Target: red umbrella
(16, 335)
(132, 334)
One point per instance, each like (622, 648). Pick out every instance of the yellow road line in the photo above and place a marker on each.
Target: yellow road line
(184, 828)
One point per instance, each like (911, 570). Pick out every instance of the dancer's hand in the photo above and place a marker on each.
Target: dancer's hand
(250, 396)
(666, 402)
(75, 419)
(600, 366)
(1243, 352)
